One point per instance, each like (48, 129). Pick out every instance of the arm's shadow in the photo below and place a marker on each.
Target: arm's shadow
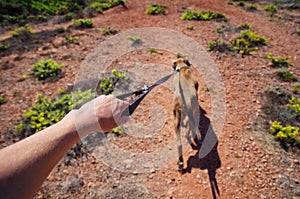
(211, 161)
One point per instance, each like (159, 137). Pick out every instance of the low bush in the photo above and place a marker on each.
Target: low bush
(219, 46)
(247, 42)
(286, 75)
(251, 7)
(4, 46)
(285, 133)
(83, 23)
(45, 68)
(3, 100)
(190, 27)
(156, 9)
(296, 88)
(271, 8)
(49, 111)
(101, 5)
(202, 15)
(22, 33)
(134, 39)
(107, 83)
(109, 31)
(244, 26)
(279, 62)
(69, 39)
(294, 103)
(152, 50)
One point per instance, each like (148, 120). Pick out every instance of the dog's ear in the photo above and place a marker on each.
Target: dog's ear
(186, 62)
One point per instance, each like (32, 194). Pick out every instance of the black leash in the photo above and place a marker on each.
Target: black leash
(143, 92)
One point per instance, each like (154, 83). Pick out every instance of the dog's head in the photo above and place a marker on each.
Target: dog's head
(180, 63)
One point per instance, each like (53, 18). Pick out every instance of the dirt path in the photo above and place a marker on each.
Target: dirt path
(246, 163)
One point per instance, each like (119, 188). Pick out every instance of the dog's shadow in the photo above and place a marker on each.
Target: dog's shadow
(211, 161)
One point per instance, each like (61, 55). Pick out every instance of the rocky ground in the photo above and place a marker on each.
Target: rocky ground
(246, 162)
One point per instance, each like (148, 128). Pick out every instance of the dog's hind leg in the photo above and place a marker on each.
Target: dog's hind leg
(177, 121)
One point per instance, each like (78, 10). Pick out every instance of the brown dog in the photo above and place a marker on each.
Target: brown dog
(185, 104)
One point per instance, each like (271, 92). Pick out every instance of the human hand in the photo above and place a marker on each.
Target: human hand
(100, 115)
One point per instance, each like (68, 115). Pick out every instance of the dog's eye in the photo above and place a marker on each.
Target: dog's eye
(186, 62)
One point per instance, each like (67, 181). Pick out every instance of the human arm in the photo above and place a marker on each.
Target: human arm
(26, 164)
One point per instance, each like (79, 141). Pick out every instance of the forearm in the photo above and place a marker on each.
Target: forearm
(26, 164)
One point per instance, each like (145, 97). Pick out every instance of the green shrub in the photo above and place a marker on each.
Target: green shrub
(109, 31)
(3, 100)
(219, 46)
(294, 103)
(251, 7)
(83, 23)
(22, 33)
(279, 62)
(106, 86)
(244, 26)
(286, 75)
(4, 46)
(202, 15)
(181, 55)
(296, 88)
(117, 131)
(45, 68)
(52, 7)
(107, 83)
(70, 39)
(247, 42)
(134, 39)
(101, 5)
(69, 16)
(222, 29)
(189, 27)
(47, 112)
(253, 38)
(284, 132)
(298, 32)
(241, 3)
(271, 8)
(156, 9)
(152, 50)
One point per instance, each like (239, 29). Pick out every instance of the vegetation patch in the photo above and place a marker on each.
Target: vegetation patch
(83, 23)
(18, 11)
(251, 7)
(156, 9)
(279, 62)
(152, 50)
(23, 33)
(202, 15)
(45, 68)
(244, 26)
(285, 133)
(272, 9)
(219, 46)
(135, 39)
(190, 27)
(47, 112)
(280, 107)
(294, 103)
(109, 31)
(102, 5)
(286, 75)
(107, 84)
(70, 40)
(3, 100)
(4, 46)
(247, 42)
